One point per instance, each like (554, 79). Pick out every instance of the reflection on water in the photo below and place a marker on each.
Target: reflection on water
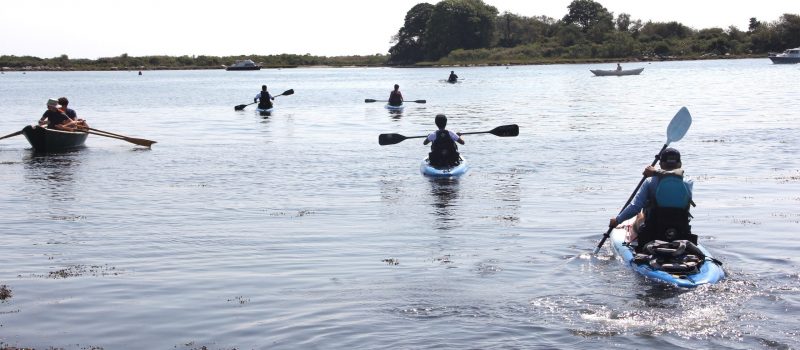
(444, 192)
(53, 174)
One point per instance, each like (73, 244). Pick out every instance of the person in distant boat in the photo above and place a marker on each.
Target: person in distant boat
(444, 151)
(452, 78)
(55, 118)
(263, 98)
(619, 68)
(665, 197)
(395, 97)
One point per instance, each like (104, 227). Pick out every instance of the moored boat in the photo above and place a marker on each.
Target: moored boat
(687, 266)
(789, 56)
(243, 65)
(614, 72)
(51, 140)
(451, 171)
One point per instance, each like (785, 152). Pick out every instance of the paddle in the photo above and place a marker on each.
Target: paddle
(502, 131)
(285, 93)
(137, 141)
(677, 128)
(11, 135)
(369, 100)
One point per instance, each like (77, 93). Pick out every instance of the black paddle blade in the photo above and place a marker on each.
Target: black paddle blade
(390, 139)
(368, 100)
(239, 107)
(288, 92)
(505, 130)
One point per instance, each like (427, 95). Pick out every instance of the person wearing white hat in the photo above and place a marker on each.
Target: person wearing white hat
(55, 118)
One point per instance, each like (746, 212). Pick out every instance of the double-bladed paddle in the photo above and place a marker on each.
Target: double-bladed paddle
(285, 93)
(369, 100)
(502, 131)
(677, 128)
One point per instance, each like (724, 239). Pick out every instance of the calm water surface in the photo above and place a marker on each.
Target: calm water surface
(298, 231)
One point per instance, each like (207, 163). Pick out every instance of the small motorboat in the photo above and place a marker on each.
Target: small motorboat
(616, 72)
(789, 56)
(243, 65)
(51, 140)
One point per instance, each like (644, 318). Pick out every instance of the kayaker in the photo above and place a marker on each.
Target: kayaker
(395, 97)
(444, 151)
(619, 68)
(665, 197)
(263, 98)
(452, 78)
(55, 118)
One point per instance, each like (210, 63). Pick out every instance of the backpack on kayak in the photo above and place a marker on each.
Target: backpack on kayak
(444, 151)
(667, 218)
(264, 101)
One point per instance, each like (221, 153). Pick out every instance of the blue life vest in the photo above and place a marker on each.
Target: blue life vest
(667, 215)
(671, 192)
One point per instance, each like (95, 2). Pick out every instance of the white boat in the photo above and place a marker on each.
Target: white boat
(243, 65)
(789, 56)
(614, 72)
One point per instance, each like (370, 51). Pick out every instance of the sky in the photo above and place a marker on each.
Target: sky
(106, 28)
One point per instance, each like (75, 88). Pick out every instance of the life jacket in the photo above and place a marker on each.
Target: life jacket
(444, 151)
(667, 215)
(395, 98)
(264, 102)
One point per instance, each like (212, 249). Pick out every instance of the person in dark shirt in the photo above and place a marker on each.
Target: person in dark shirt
(55, 118)
(452, 78)
(395, 97)
(263, 98)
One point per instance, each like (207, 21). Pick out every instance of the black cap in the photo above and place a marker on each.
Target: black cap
(670, 156)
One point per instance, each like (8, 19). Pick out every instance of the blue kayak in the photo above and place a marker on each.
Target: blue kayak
(394, 108)
(454, 171)
(709, 272)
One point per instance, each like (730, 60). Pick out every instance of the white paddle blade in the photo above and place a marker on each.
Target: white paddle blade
(679, 125)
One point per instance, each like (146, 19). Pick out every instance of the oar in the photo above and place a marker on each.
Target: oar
(137, 141)
(502, 131)
(677, 128)
(11, 135)
(285, 93)
(369, 100)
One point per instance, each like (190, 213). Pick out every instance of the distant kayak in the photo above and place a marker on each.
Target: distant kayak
(681, 271)
(614, 72)
(452, 171)
(394, 108)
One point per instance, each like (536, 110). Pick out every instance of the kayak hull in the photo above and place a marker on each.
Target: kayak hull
(394, 108)
(264, 111)
(426, 169)
(50, 140)
(710, 271)
(604, 73)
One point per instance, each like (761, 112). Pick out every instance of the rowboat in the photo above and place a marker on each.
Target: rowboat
(614, 72)
(705, 270)
(43, 139)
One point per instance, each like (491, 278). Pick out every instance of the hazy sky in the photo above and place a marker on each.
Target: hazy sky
(106, 28)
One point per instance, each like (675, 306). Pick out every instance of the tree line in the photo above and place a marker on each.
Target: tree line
(470, 31)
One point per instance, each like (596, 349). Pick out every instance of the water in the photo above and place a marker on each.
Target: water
(300, 231)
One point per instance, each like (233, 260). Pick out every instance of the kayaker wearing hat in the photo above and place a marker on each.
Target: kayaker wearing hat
(55, 118)
(665, 197)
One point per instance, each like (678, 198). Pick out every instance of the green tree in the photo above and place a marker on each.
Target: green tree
(623, 22)
(587, 14)
(458, 24)
(409, 44)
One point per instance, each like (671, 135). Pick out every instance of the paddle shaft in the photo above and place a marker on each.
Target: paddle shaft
(11, 135)
(133, 140)
(633, 194)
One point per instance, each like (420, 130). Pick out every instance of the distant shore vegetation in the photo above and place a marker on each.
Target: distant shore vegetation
(471, 32)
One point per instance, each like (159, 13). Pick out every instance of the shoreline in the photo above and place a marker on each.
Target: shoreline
(437, 64)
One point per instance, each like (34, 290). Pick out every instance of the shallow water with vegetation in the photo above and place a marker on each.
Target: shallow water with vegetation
(299, 231)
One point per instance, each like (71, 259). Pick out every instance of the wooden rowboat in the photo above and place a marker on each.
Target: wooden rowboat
(51, 140)
(614, 72)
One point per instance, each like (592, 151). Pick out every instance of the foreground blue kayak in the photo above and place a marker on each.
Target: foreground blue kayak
(454, 171)
(709, 272)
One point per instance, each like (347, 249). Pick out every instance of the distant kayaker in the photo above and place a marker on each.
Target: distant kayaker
(395, 97)
(263, 98)
(619, 68)
(55, 118)
(444, 151)
(452, 78)
(665, 197)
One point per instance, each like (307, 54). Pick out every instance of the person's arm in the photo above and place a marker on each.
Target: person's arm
(429, 139)
(43, 119)
(258, 97)
(634, 207)
(457, 137)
